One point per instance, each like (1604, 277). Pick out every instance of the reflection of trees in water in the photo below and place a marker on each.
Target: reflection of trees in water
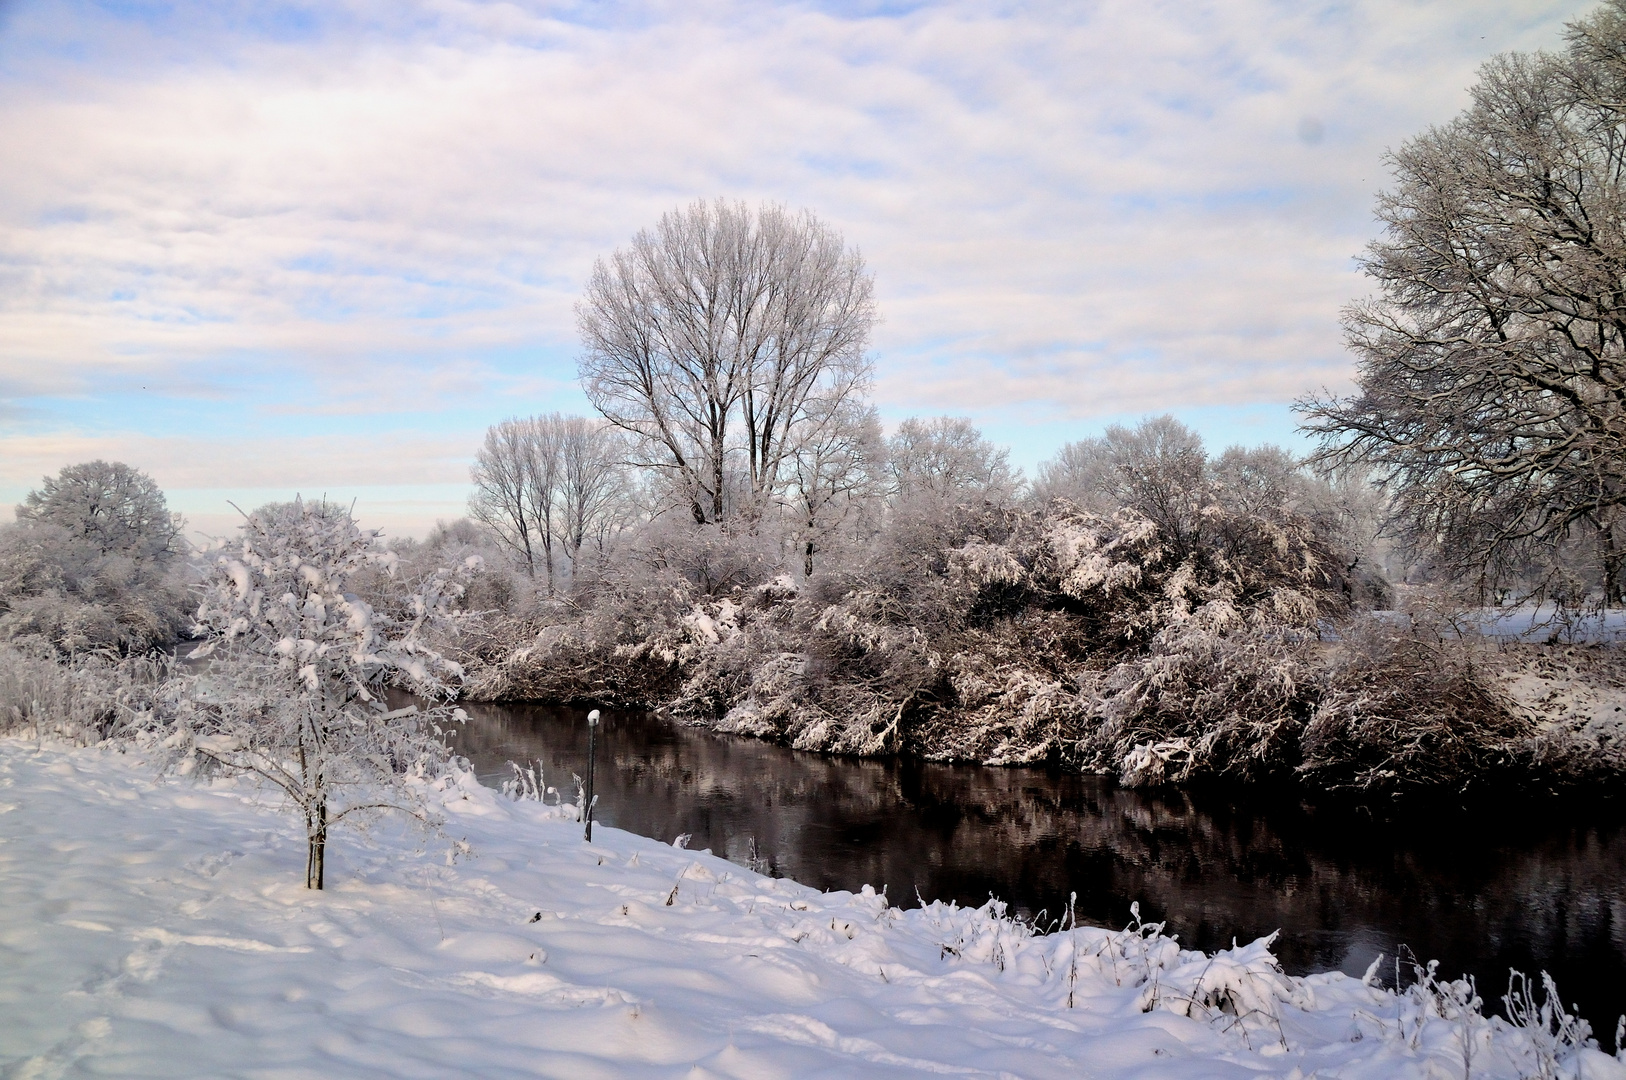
(1478, 895)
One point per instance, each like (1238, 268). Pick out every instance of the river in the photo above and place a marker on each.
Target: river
(1527, 887)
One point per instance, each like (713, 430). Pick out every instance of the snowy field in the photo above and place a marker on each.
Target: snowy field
(159, 928)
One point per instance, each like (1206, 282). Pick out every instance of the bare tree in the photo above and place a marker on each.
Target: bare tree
(947, 457)
(1080, 473)
(541, 442)
(1158, 467)
(502, 490)
(547, 483)
(708, 338)
(836, 472)
(593, 486)
(1492, 365)
(1257, 480)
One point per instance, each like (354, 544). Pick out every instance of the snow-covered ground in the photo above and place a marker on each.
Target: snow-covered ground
(1535, 623)
(156, 927)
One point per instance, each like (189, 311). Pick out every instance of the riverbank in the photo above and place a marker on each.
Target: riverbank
(1384, 707)
(156, 927)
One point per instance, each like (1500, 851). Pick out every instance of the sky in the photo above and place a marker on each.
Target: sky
(262, 248)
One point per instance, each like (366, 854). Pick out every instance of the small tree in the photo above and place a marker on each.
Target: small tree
(295, 694)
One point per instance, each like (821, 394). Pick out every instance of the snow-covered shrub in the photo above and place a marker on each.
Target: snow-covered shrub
(629, 631)
(987, 633)
(294, 693)
(1203, 702)
(1404, 711)
(94, 698)
(40, 697)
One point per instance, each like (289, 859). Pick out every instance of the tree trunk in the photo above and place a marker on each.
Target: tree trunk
(316, 834)
(807, 563)
(1612, 557)
(717, 485)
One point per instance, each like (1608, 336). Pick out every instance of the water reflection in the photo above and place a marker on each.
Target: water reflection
(1480, 895)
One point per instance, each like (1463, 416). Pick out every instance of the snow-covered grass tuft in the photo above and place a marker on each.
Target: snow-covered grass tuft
(1555, 1039)
(94, 698)
(40, 697)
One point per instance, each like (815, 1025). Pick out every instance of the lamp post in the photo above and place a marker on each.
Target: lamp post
(592, 730)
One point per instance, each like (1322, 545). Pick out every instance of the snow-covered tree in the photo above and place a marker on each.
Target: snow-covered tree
(1491, 366)
(295, 691)
(1157, 468)
(111, 507)
(946, 457)
(91, 564)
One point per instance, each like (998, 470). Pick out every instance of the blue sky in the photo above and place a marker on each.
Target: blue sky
(257, 248)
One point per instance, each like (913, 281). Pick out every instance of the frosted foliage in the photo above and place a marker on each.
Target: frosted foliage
(295, 693)
(114, 508)
(93, 699)
(281, 594)
(946, 457)
(964, 632)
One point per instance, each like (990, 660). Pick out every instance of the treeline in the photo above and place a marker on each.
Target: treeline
(1144, 609)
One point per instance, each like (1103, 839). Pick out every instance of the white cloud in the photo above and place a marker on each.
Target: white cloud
(1072, 209)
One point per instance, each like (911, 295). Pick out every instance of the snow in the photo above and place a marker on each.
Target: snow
(159, 927)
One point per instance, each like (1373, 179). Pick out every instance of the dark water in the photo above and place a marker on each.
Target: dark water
(1525, 887)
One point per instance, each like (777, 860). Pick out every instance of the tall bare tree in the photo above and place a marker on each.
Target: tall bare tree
(1492, 364)
(708, 338)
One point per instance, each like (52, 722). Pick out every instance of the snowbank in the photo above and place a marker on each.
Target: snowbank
(153, 927)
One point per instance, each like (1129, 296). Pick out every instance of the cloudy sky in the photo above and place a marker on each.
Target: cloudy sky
(258, 248)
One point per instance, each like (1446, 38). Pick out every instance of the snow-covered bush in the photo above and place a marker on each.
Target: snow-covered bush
(94, 698)
(294, 693)
(1407, 710)
(1055, 634)
(1205, 703)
